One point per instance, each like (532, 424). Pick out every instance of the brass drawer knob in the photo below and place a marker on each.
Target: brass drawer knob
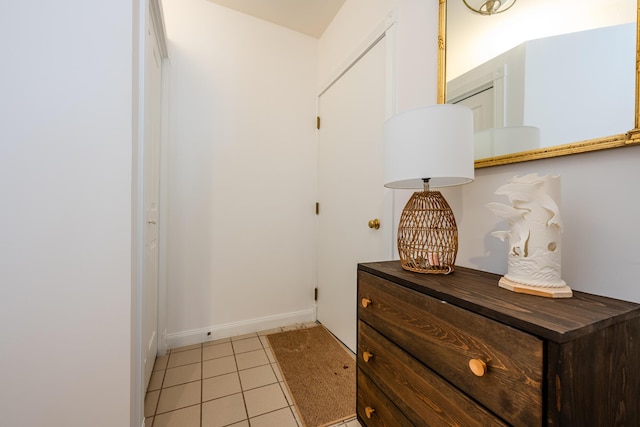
(366, 356)
(478, 367)
(369, 411)
(365, 302)
(374, 223)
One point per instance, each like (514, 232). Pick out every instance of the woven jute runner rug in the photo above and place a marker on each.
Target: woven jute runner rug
(319, 373)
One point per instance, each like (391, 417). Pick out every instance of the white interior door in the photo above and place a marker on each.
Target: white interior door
(350, 188)
(482, 106)
(151, 189)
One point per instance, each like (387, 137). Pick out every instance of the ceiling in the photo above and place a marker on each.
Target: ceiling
(310, 17)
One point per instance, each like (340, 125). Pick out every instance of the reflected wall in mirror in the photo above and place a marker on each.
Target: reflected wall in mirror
(545, 78)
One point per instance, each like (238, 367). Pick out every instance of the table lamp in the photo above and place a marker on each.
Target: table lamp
(428, 147)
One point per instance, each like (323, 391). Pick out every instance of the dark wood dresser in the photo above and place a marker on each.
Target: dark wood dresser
(459, 350)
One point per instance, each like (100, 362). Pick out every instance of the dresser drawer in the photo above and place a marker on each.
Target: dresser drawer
(424, 397)
(446, 338)
(385, 413)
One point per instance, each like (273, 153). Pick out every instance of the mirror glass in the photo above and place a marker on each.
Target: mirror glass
(543, 73)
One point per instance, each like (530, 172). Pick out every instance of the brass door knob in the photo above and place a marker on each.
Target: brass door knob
(374, 223)
(365, 302)
(366, 356)
(369, 411)
(478, 367)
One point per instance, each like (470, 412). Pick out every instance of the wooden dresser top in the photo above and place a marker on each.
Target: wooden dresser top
(556, 319)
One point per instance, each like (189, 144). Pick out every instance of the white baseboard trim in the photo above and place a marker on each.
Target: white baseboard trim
(211, 333)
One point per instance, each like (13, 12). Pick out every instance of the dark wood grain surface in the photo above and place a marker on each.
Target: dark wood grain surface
(595, 379)
(558, 319)
(550, 362)
(445, 338)
(386, 413)
(419, 392)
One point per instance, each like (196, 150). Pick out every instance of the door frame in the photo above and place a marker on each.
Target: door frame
(145, 12)
(387, 29)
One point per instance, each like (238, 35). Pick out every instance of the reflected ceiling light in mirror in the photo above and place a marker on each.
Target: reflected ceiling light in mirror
(489, 7)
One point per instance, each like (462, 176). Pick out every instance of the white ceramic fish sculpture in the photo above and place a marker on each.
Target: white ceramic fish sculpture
(534, 235)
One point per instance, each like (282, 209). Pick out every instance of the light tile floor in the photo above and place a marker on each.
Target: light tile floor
(231, 382)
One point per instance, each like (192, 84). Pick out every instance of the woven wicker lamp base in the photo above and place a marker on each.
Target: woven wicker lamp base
(427, 234)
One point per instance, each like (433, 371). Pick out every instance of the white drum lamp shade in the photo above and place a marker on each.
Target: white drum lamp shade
(434, 142)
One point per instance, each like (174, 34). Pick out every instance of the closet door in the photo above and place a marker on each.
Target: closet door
(151, 190)
(351, 189)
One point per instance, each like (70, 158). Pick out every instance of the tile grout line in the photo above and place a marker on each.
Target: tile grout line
(244, 400)
(265, 348)
(164, 375)
(163, 388)
(279, 385)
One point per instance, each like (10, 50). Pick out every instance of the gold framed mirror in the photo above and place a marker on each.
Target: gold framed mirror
(601, 143)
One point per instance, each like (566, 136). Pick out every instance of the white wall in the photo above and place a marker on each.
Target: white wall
(242, 158)
(352, 25)
(241, 172)
(242, 167)
(416, 45)
(599, 196)
(65, 221)
(599, 209)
